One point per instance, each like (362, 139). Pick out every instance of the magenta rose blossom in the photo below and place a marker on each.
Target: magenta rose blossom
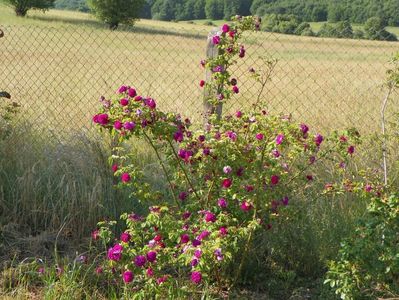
(122, 89)
(216, 40)
(101, 119)
(128, 276)
(162, 279)
(202, 83)
(115, 253)
(129, 125)
(245, 206)
(222, 203)
(236, 89)
(351, 150)
(238, 114)
(304, 128)
(196, 242)
(227, 183)
(318, 139)
(223, 231)
(178, 136)
(203, 235)
(125, 177)
(198, 253)
(150, 272)
(225, 28)
(131, 92)
(183, 196)
(150, 103)
(184, 238)
(124, 102)
(140, 260)
(114, 168)
(194, 262)
(118, 125)
(274, 179)
(151, 256)
(196, 277)
(276, 153)
(285, 201)
(279, 139)
(210, 217)
(125, 237)
(259, 136)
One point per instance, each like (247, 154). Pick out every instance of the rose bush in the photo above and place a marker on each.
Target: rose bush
(223, 183)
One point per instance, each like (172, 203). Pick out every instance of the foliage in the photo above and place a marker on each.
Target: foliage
(21, 7)
(368, 263)
(339, 30)
(223, 184)
(79, 5)
(375, 30)
(333, 11)
(214, 9)
(114, 12)
(281, 23)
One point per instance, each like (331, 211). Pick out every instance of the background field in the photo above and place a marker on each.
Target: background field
(58, 64)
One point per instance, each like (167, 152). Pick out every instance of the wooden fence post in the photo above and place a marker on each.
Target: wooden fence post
(2, 93)
(212, 51)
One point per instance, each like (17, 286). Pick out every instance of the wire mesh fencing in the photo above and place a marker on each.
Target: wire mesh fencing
(57, 74)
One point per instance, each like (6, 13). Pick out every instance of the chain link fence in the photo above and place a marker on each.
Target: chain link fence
(57, 74)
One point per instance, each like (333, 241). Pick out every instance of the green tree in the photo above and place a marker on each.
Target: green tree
(145, 12)
(231, 8)
(375, 30)
(114, 12)
(199, 9)
(319, 14)
(214, 9)
(304, 29)
(344, 30)
(327, 30)
(21, 7)
(164, 10)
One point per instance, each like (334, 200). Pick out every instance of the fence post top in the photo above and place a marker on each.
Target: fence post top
(213, 32)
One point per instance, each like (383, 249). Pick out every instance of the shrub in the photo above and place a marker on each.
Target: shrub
(375, 30)
(221, 185)
(368, 263)
(304, 29)
(114, 12)
(21, 7)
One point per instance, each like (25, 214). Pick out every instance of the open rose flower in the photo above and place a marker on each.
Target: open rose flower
(115, 253)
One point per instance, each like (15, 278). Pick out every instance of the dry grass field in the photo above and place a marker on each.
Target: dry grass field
(59, 63)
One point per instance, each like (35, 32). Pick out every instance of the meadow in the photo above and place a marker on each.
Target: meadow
(53, 183)
(73, 60)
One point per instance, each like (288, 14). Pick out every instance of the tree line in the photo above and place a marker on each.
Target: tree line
(354, 11)
(283, 16)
